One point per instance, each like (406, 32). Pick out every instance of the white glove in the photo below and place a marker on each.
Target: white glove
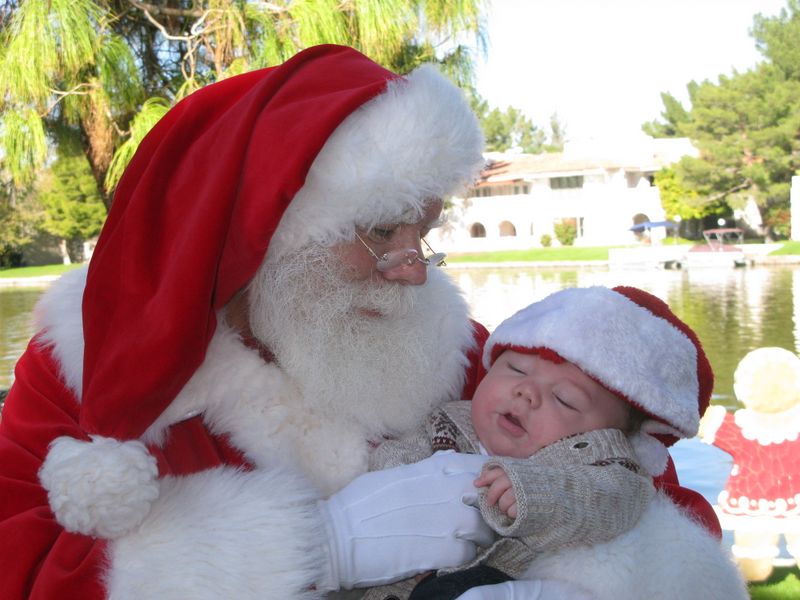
(388, 525)
(537, 589)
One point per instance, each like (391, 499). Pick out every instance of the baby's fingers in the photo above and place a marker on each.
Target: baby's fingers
(489, 476)
(497, 490)
(508, 503)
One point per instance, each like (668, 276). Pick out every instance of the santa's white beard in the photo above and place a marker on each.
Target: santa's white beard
(383, 373)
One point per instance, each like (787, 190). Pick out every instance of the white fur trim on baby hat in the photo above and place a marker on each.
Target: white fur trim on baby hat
(621, 344)
(103, 488)
(416, 141)
(652, 455)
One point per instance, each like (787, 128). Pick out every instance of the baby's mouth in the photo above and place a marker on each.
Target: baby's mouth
(511, 424)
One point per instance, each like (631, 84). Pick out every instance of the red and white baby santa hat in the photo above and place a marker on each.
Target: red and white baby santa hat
(269, 160)
(631, 343)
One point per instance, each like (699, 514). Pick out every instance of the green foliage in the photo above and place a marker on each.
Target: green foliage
(558, 134)
(19, 218)
(776, 38)
(679, 200)
(546, 240)
(24, 144)
(745, 127)
(512, 129)
(74, 210)
(48, 46)
(152, 111)
(566, 231)
(110, 69)
(674, 116)
(783, 584)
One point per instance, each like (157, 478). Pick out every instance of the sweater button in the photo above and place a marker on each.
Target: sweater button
(580, 445)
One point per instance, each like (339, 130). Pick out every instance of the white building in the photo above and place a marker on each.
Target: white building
(601, 187)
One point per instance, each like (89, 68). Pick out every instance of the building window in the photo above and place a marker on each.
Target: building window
(507, 229)
(477, 230)
(566, 183)
(506, 189)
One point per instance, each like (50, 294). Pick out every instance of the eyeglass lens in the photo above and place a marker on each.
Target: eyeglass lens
(394, 258)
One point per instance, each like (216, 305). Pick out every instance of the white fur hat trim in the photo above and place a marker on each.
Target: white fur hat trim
(618, 342)
(417, 140)
(652, 454)
(103, 488)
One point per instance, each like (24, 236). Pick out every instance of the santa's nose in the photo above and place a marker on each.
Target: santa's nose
(411, 271)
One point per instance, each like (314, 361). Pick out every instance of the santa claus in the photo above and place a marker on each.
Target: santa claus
(259, 313)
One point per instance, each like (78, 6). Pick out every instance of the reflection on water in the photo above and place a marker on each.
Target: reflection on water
(733, 311)
(16, 327)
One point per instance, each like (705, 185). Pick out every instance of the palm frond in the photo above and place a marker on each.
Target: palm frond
(152, 111)
(24, 144)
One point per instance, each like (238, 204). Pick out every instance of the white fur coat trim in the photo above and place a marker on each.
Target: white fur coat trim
(416, 141)
(223, 533)
(665, 556)
(58, 314)
(642, 356)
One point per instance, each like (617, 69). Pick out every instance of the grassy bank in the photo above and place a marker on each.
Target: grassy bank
(783, 584)
(573, 253)
(42, 271)
(564, 253)
(788, 248)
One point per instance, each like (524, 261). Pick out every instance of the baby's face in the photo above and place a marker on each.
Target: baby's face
(526, 402)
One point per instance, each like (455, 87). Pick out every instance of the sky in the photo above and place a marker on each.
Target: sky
(601, 65)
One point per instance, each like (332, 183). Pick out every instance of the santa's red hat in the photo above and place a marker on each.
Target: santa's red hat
(631, 343)
(270, 160)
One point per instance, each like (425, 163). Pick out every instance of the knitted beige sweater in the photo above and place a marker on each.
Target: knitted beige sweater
(582, 490)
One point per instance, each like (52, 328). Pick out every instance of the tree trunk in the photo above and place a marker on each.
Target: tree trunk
(62, 248)
(75, 249)
(98, 167)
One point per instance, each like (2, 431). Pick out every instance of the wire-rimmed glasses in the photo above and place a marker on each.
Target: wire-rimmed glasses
(395, 258)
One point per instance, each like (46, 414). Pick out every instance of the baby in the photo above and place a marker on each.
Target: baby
(583, 393)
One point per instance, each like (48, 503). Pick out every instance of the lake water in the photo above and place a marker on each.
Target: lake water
(733, 311)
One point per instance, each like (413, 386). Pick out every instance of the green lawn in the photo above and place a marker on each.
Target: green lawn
(534, 254)
(787, 248)
(36, 271)
(783, 584)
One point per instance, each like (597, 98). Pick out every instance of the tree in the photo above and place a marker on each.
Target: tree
(674, 116)
(679, 200)
(747, 129)
(19, 219)
(558, 134)
(73, 208)
(512, 129)
(106, 70)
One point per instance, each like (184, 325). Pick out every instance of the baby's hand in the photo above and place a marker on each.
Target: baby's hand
(500, 490)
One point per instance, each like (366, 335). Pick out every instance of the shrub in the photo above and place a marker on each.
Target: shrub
(566, 232)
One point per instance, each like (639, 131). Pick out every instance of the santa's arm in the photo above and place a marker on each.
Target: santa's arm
(223, 533)
(220, 533)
